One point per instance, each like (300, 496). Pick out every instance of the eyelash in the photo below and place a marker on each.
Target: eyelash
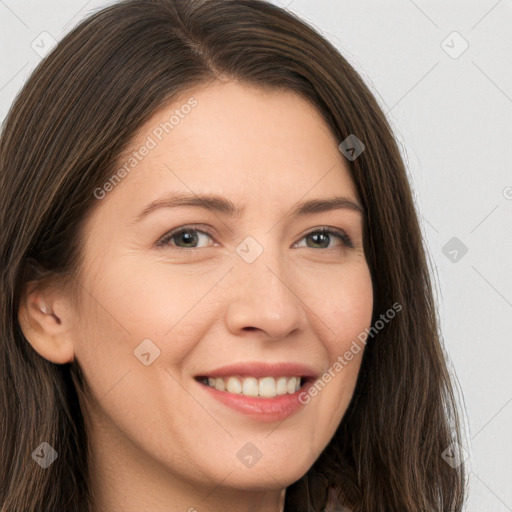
(324, 230)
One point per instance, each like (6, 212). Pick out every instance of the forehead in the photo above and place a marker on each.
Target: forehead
(266, 147)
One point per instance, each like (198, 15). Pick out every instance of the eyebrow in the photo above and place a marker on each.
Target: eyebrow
(225, 206)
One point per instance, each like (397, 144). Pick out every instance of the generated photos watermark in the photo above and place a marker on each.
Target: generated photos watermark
(355, 348)
(151, 142)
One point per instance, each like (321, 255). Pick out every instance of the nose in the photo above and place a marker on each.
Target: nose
(262, 298)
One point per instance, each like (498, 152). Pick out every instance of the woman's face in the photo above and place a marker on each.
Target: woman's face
(242, 302)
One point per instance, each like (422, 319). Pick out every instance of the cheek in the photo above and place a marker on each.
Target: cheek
(136, 301)
(350, 317)
(119, 316)
(122, 311)
(345, 303)
(345, 307)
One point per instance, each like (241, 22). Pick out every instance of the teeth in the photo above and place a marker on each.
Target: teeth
(291, 385)
(250, 386)
(281, 387)
(266, 387)
(234, 385)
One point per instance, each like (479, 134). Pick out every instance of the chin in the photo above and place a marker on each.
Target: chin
(270, 475)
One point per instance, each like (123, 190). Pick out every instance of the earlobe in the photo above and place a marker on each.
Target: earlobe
(46, 325)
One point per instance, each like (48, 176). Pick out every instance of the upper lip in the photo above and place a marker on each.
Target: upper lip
(259, 369)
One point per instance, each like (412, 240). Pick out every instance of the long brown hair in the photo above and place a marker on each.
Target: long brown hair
(62, 139)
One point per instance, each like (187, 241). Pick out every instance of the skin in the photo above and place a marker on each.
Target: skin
(159, 442)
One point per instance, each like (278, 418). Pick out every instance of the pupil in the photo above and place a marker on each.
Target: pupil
(187, 236)
(316, 236)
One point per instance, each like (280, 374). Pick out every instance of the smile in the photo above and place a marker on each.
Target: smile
(265, 387)
(262, 391)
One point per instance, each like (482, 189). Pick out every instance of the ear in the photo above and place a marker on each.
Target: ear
(46, 321)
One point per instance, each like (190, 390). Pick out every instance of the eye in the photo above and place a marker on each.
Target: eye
(322, 236)
(187, 238)
(188, 235)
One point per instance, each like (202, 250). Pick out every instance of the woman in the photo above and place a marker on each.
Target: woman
(289, 358)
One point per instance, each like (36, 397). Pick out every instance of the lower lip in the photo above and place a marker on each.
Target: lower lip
(260, 409)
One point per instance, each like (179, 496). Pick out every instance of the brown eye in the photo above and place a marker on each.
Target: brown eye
(322, 237)
(188, 236)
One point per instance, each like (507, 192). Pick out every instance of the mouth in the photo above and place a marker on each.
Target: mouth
(263, 391)
(251, 386)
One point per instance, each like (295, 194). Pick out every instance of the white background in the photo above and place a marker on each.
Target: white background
(451, 113)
